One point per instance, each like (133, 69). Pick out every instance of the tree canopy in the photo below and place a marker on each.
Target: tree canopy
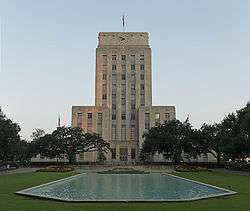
(228, 140)
(170, 138)
(68, 141)
(9, 138)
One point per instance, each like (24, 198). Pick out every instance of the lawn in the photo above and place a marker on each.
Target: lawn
(11, 183)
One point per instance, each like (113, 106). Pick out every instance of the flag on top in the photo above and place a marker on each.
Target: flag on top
(187, 120)
(123, 22)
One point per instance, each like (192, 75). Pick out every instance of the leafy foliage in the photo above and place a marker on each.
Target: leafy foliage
(171, 138)
(68, 141)
(229, 139)
(9, 138)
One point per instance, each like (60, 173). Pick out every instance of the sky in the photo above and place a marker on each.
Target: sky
(200, 56)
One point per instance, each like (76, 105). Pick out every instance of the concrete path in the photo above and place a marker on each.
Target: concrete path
(17, 171)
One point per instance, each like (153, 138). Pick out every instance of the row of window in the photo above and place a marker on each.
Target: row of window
(89, 117)
(123, 154)
(123, 58)
(123, 132)
(132, 67)
(123, 117)
(157, 119)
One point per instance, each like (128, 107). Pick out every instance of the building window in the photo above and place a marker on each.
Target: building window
(133, 78)
(142, 100)
(113, 116)
(147, 121)
(167, 116)
(123, 67)
(132, 116)
(99, 123)
(123, 89)
(132, 132)
(104, 96)
(113, 132)
(99, 116)
(123, 57)
(123, 154)
(132, 67)
(89, 115)
(132, 59)
(142, 67)
(142, 57)
(157, 118)
(113, 89)
(123, 76)
(104, 59)
(142, 77)
(132, 106)
(113, 101)
(113, 153)
(123, 133)
(133, 153)
(104, 88)
(114, 57)
(79, 120)
(113, 67)
(123, 116)
(104, 77)
(123, 100)
(142, 87)
(113, 78)
(89, 122)
(132, 87)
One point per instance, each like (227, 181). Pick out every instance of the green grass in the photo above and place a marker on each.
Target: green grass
(12, 183)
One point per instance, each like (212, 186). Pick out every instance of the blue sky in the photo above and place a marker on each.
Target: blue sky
(200, 55)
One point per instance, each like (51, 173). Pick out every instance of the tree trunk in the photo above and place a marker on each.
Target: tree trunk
(218, 159)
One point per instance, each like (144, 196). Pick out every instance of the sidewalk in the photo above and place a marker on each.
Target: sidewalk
(242, 173)
(17, 171)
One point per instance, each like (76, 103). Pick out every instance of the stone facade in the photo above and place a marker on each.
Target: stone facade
(123, 96)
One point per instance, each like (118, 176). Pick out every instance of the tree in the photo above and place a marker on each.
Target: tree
(235, 131)
(67, 141)
(170, 138)
(242, 138)
(21, 151)
(9, 137)
(38, 133)
(212, 141)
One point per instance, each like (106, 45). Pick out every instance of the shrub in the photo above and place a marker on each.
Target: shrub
(56, 169)
(187, 168)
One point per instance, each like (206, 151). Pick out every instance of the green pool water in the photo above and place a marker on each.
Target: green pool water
(125, 187)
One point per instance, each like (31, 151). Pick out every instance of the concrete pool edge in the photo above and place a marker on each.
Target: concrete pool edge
(228, 192)
(25, 193)
(45, 184)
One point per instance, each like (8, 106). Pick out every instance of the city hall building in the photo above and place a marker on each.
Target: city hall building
(123, 108)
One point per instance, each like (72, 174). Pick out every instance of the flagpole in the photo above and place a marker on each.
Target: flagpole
(123, 22)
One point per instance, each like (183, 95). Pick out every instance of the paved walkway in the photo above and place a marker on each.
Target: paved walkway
(19, 170)
(243, 173)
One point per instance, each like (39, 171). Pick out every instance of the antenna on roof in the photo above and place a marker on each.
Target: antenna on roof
(123, 22)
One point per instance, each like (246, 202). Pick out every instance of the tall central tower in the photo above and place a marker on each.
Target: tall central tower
(123, 95)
